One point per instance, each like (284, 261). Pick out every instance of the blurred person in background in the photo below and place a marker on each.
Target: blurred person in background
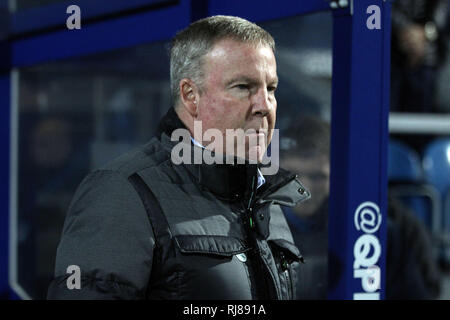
(305, 150)
(419, 35)
(412, 271)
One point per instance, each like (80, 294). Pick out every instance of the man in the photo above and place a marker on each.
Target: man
(411, 272)
(147, 226)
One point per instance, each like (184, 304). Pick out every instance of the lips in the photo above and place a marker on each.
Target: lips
(257, 131)
(262, 131)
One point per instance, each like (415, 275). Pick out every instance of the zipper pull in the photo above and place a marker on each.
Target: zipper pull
(250, 218)
(284, 262)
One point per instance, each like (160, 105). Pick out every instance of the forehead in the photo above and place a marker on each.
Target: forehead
(231, 58)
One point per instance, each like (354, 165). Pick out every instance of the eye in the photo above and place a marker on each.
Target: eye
(242, 86)
(271, 88)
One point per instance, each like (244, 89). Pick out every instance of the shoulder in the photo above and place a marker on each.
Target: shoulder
(113, 178)
(140, 158)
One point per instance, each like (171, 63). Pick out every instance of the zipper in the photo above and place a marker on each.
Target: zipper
(264, 278)
(286, 268)
(289, 280)
(249, 209)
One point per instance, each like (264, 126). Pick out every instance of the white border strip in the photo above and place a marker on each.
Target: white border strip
(13, 172)
(419, 123)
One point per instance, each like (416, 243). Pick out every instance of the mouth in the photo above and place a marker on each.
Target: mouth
(257, 139)
(262, 131)
(259, 135)
(256, 131)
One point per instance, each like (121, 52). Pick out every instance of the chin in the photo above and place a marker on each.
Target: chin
(256, 154)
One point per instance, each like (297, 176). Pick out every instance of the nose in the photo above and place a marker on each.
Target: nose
(261, 103)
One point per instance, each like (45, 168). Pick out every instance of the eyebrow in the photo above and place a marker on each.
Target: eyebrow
(248, 80)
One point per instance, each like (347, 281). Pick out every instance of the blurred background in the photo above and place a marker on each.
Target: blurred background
(73, 115)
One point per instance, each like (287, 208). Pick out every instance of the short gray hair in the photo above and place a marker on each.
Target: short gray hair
(190, 45)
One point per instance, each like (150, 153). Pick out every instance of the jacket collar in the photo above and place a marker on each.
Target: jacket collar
(233, 182)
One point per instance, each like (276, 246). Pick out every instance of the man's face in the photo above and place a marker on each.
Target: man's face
(314, 172)
(238, 92)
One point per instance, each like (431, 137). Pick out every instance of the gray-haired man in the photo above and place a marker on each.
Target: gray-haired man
(145, 227)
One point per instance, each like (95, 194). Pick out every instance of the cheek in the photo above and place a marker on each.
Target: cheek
(274, 113)
(230, 113)
(213, 113)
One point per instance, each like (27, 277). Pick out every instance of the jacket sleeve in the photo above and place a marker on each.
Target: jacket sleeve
(107, 236)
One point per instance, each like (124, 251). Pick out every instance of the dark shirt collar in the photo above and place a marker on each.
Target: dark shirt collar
(227, 181)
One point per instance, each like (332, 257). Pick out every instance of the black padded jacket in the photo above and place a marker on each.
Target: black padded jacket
(142, 227)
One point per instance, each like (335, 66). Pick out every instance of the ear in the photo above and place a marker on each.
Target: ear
(189, 96)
